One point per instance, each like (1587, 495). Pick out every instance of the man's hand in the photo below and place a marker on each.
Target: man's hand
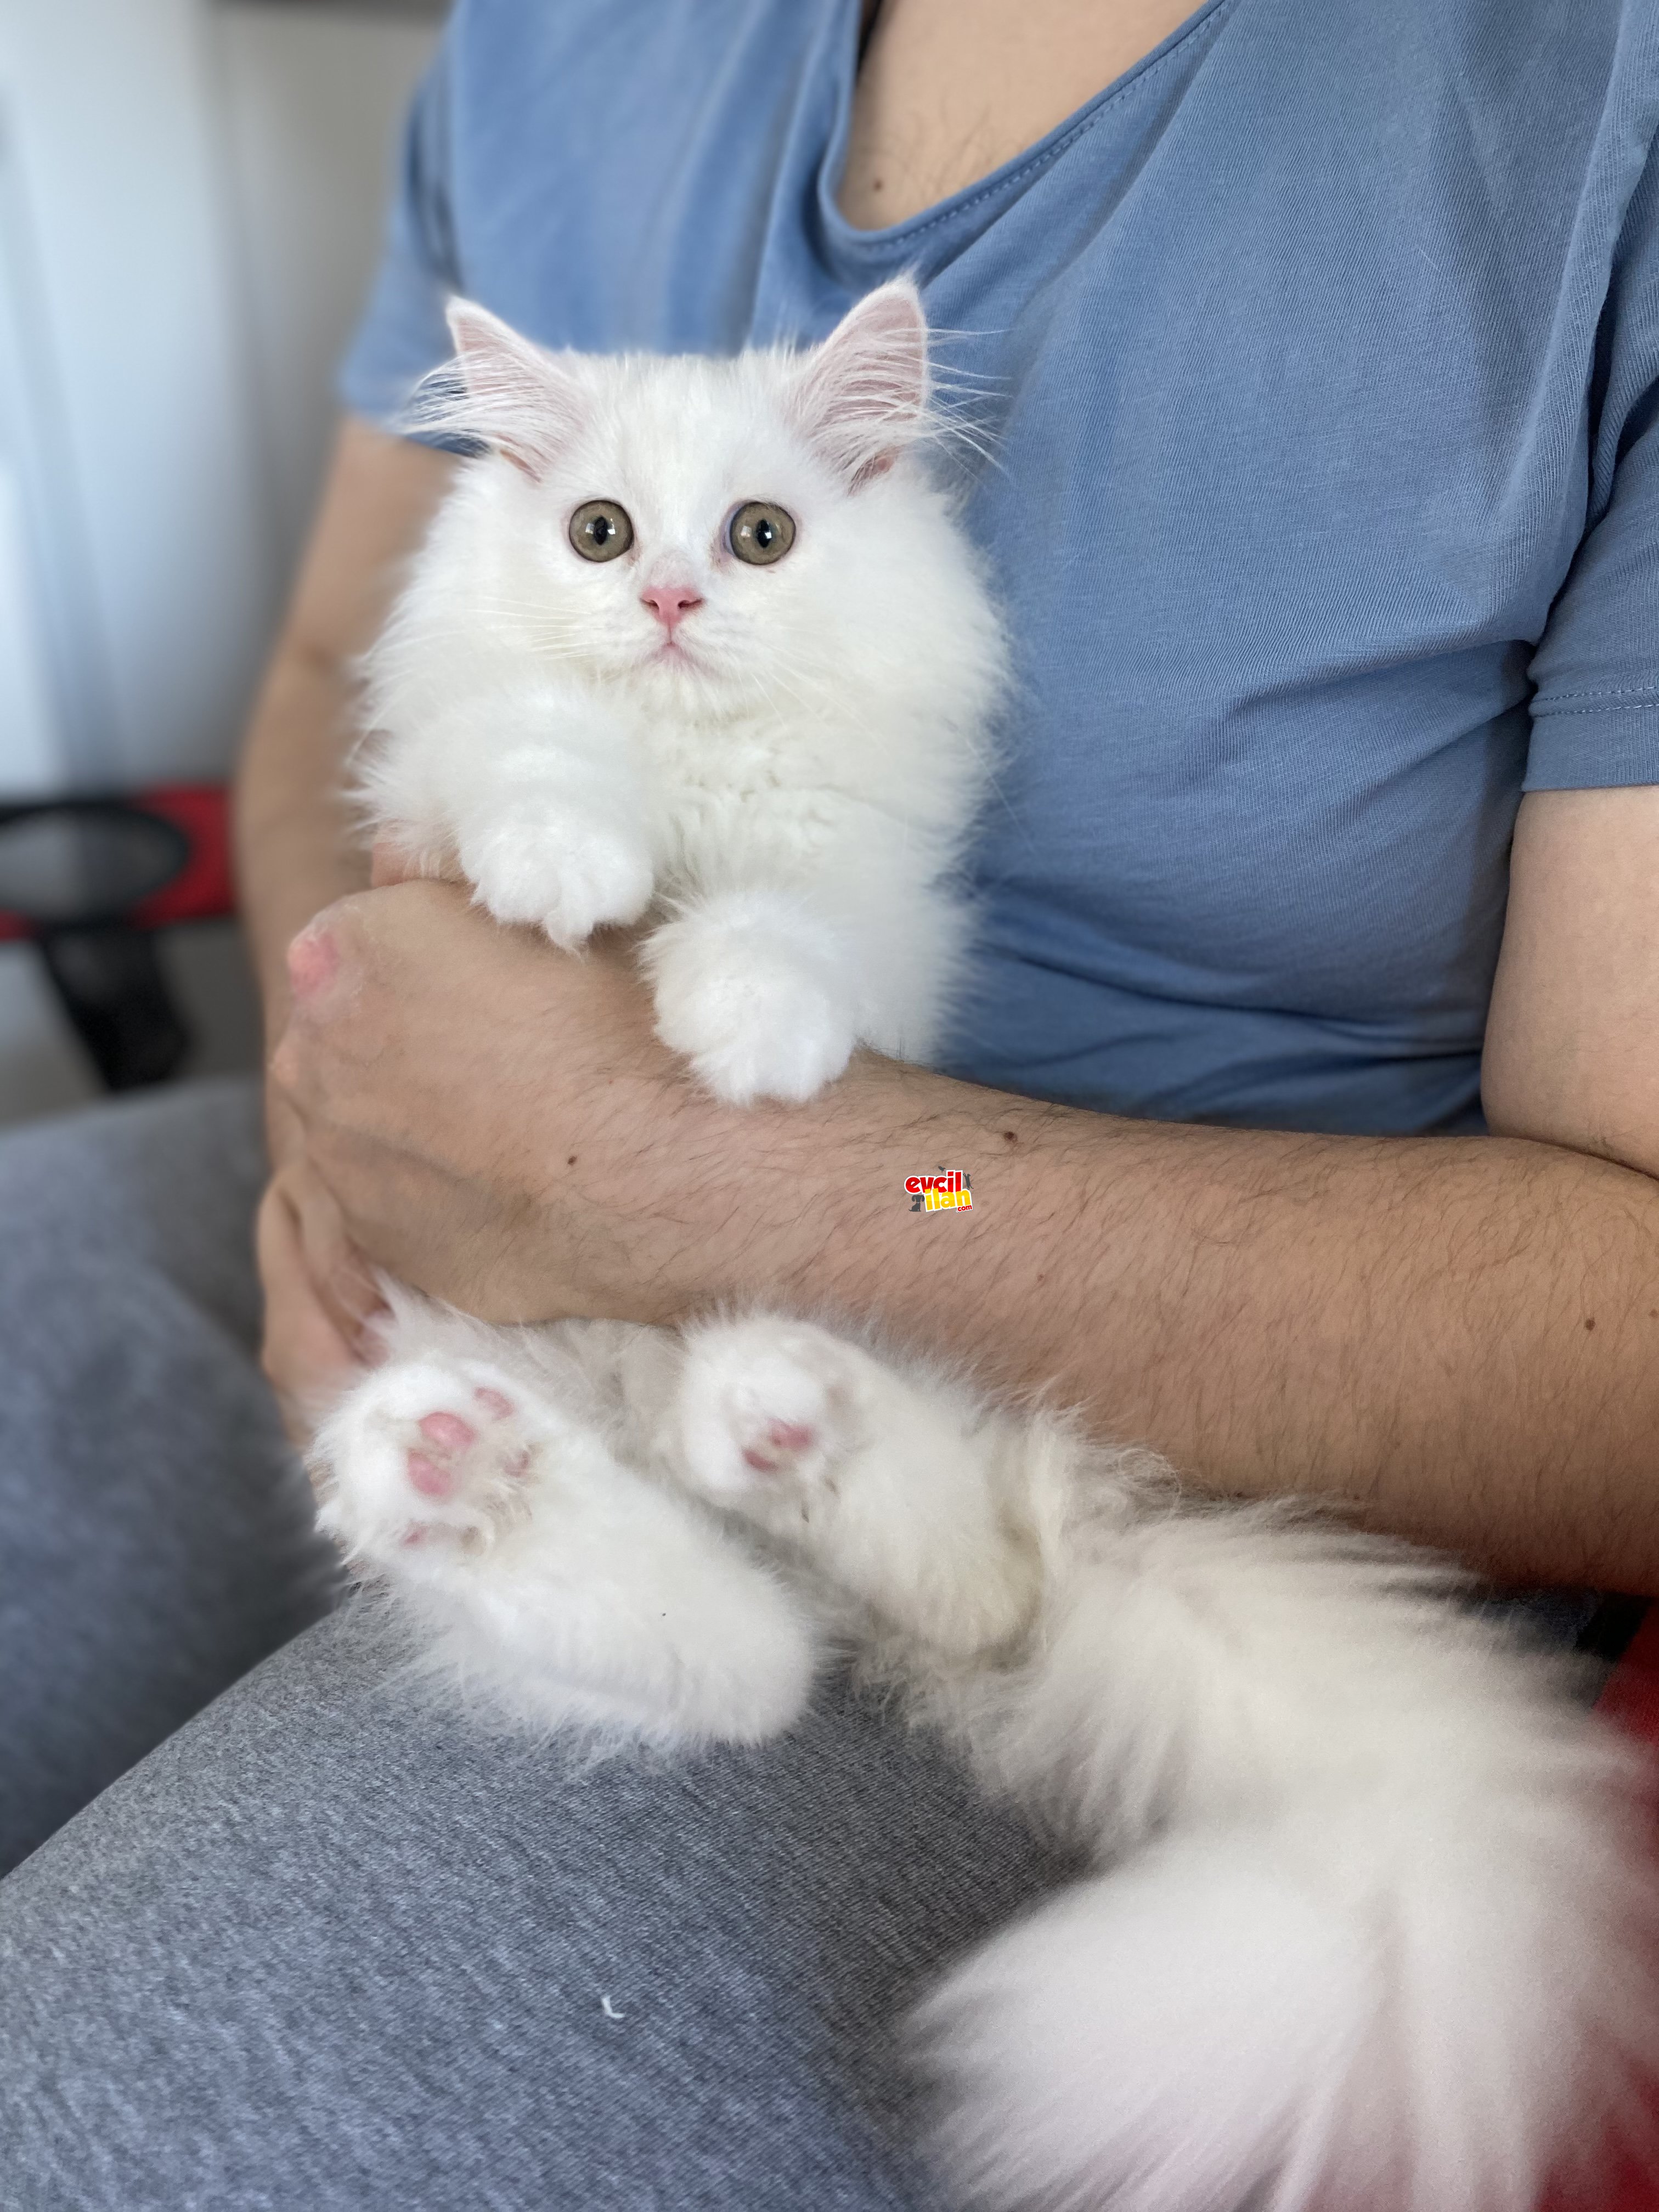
(498, 1122)
(307, 1355)
(319, 1291)
(295, 851)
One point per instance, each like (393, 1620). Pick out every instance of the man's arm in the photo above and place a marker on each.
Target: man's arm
(295, 853)
(1572, 1042)
(295, 849)
(1455, 1336)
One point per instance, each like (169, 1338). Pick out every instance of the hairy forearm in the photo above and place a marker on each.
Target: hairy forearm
(1458, 1337)
(296, 848)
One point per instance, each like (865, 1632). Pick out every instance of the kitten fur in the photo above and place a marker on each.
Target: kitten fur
(1370, 1924)
(787, 787)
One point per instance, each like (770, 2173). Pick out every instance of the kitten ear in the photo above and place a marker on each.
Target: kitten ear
(862, 395)
(503, 391)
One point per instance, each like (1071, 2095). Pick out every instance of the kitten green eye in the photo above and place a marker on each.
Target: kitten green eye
(600, 530)
(760, 534)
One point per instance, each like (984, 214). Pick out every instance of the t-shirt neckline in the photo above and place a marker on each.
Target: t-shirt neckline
(894, 243)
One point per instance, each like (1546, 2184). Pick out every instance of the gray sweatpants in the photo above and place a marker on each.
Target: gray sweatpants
(325, 1945)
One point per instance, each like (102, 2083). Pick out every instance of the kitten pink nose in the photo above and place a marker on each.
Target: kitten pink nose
(670, 602)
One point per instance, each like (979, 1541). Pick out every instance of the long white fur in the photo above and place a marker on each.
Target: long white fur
(792, 791)
(1371, 1923)
(560, 1588)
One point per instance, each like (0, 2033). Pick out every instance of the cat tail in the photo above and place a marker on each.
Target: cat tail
(1389, 1944)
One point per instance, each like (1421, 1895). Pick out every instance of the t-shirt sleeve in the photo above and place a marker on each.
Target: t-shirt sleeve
(1595, 712)
(403, 333)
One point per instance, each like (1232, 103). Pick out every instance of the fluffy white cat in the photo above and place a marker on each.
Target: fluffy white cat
(699, 643)
(699, 636)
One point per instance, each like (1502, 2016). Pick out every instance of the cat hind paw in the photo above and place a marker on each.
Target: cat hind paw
(765, 1413)
(427, 1455)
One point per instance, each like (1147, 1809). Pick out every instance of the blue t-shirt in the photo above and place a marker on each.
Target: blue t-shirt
(1320, 353)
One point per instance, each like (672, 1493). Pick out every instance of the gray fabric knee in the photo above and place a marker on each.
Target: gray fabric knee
(155, 1535)
(334, 1949)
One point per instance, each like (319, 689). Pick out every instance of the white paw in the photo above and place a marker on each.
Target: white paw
(570, 875)
(766, 1412)
(757, 1018)
(430, 1454)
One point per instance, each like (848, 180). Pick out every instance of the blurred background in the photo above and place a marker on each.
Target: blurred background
(192, 193)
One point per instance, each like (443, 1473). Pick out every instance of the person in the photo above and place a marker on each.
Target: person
(1307, 1089)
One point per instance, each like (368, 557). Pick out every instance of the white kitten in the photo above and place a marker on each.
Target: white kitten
(701, 635)
(1370, 1932)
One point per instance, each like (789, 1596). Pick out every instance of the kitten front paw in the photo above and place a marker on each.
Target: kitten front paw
(428, 1457)
(570, 876)
(755, 1016)
(766, 1412)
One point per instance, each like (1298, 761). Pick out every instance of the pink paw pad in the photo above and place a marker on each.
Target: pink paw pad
(782, 1439)
(439, 1467)
(500, 1407)
(447, 1434)
(428, 1477)
(448, 1431)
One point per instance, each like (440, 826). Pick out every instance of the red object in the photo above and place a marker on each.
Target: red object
(1631, 1696)
(1631, 1699)
(202, 890)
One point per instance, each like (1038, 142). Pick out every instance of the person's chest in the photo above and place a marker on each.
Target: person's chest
(1278, 354)
(949, 90)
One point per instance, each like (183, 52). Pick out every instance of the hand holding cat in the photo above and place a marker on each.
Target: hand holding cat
(498, 1121)
(318, 1290)
(498, 1124)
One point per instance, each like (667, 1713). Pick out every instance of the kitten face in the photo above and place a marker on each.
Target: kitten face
(672, 470)
(678, 609)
